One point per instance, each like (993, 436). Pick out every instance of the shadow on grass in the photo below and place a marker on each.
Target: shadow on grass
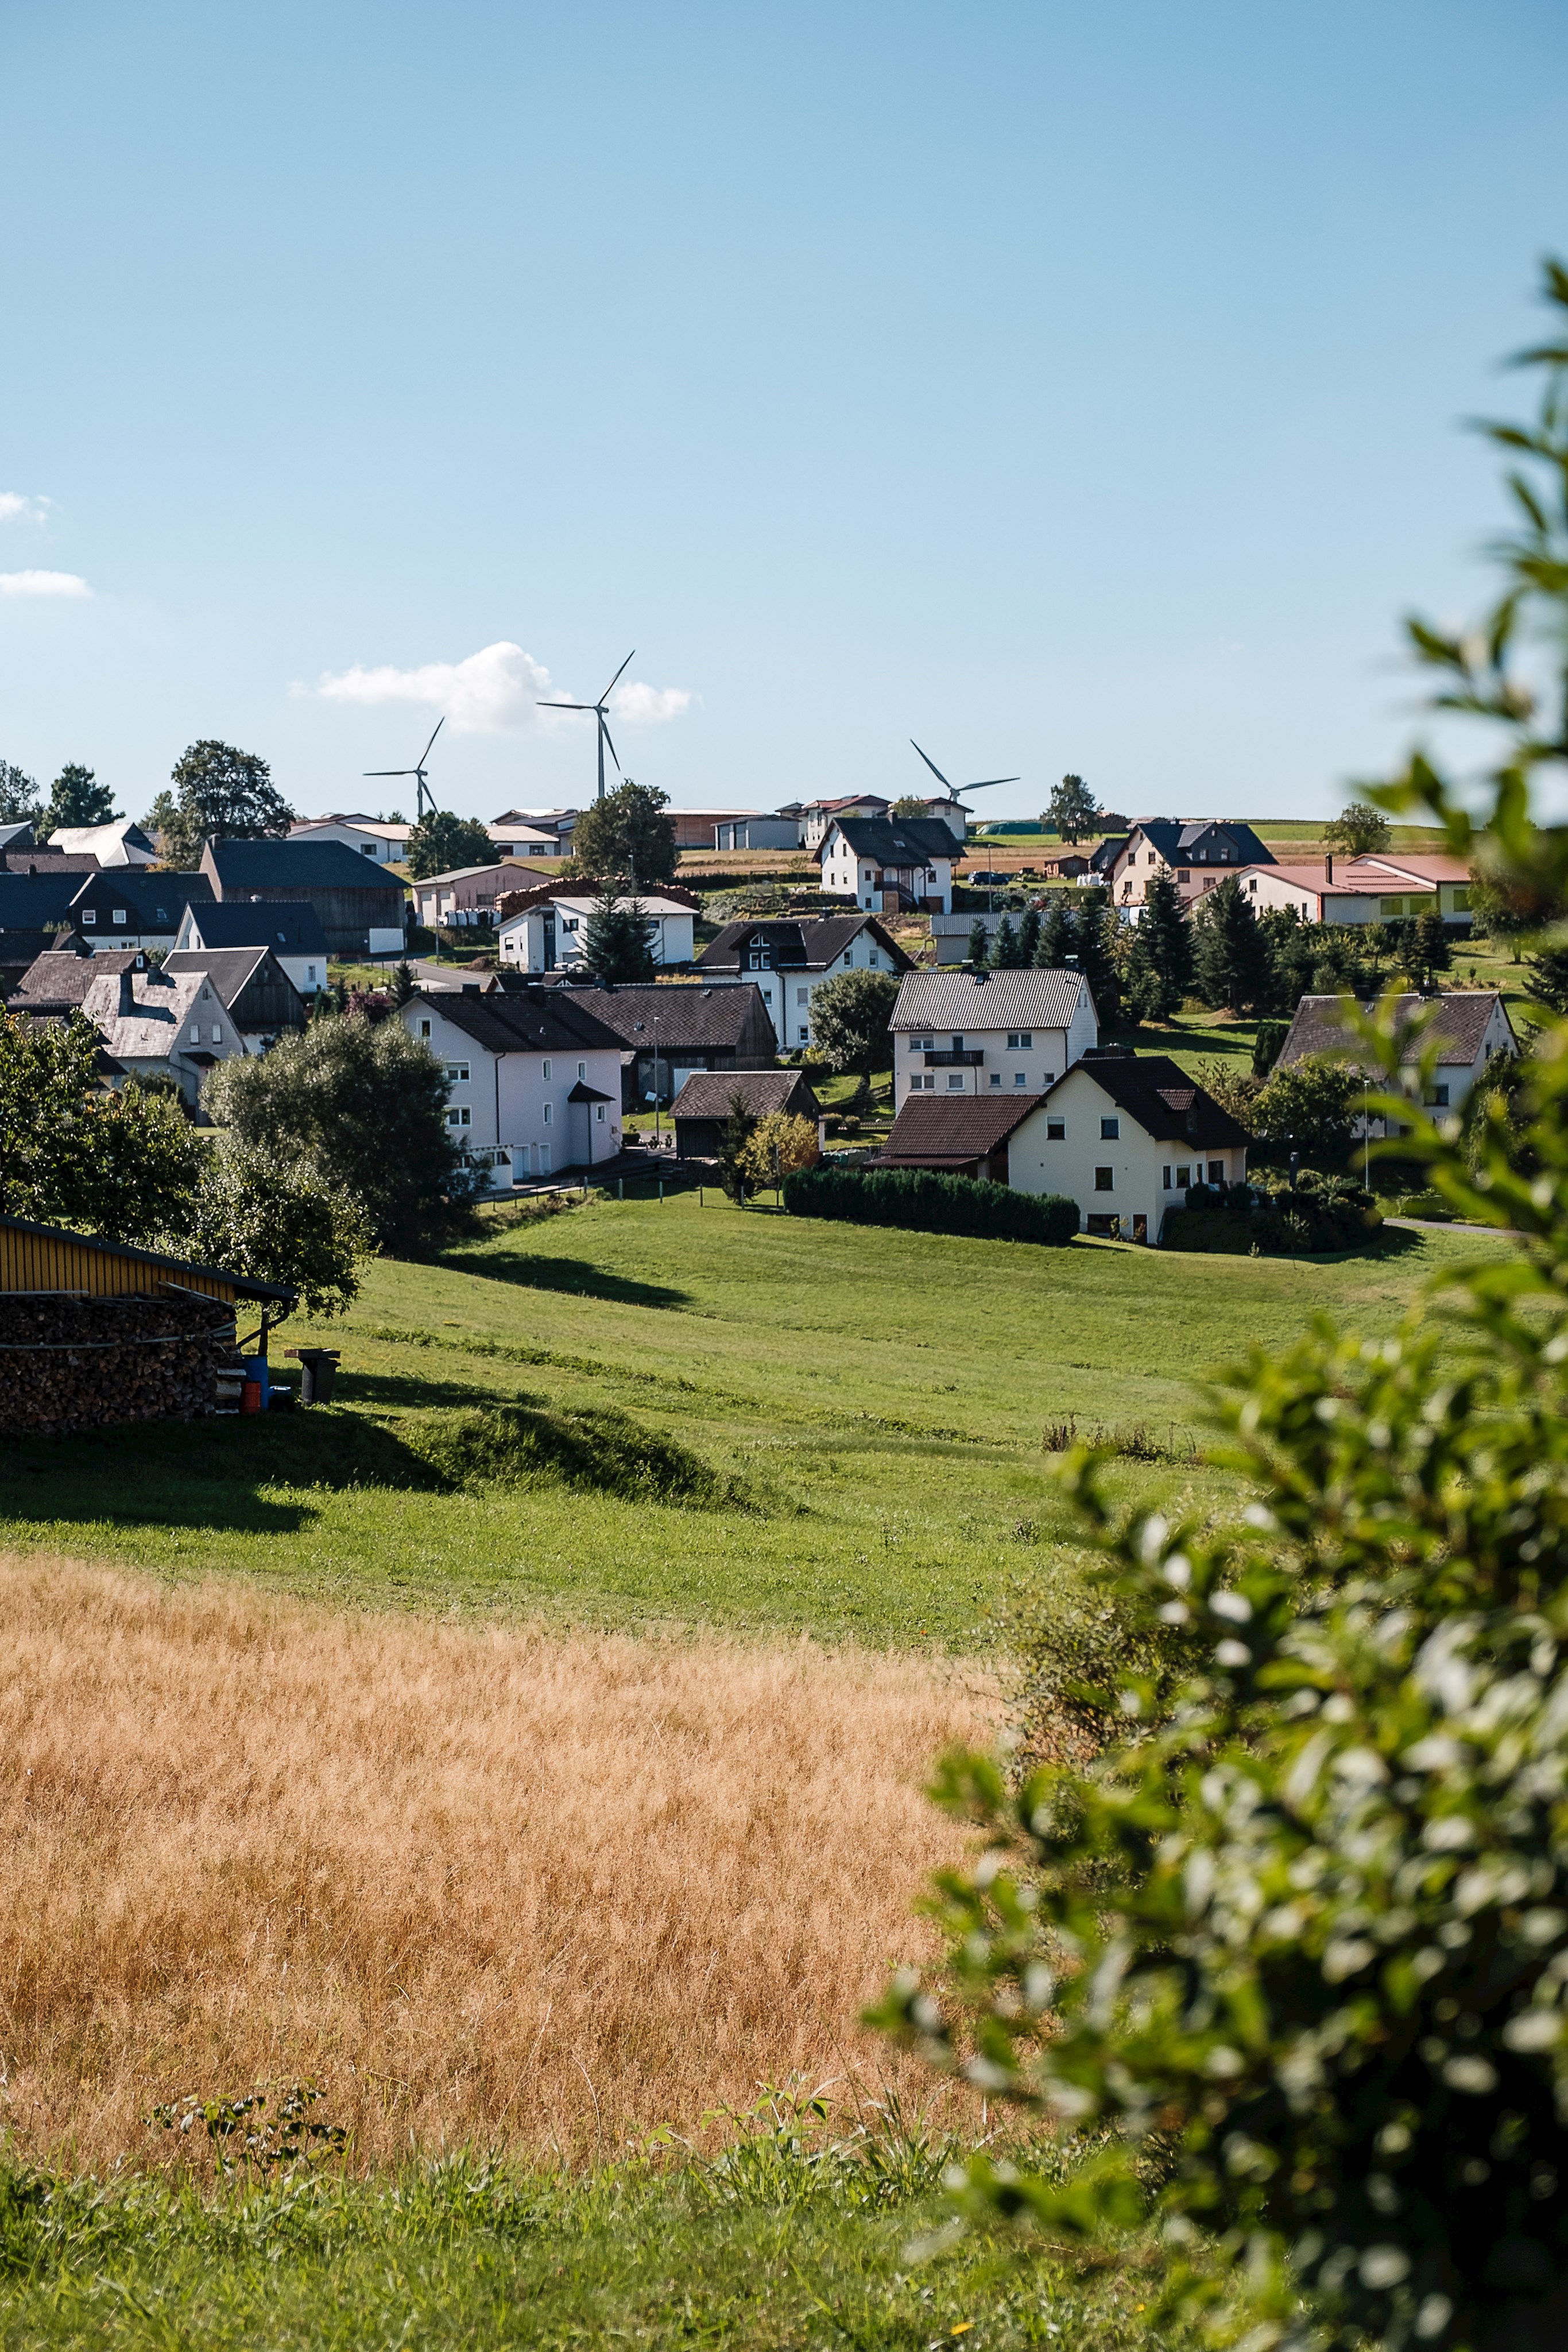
(415, 1390)
(573, 1276)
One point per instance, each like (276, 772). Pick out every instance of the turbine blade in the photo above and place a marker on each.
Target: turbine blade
(616, 680)
(569, 706)
(434, 733)
(934, 768)
(985, 784)
(605, 725)
(389, 771)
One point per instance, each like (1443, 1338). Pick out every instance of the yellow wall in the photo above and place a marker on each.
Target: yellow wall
(43, 1262)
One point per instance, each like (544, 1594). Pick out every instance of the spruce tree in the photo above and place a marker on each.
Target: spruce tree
(1231, 954)
(1096, 943)
(979, 948)
(1430, 952)
(1029, 935)
(1058, 935)
(1004, 947)
(1159, 965)
(1548, 982)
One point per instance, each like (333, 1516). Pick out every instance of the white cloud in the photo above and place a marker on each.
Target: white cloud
(495, 690)
(17, 507)
(649, 704)
(43, 583)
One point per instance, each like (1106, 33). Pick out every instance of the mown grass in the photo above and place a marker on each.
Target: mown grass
(876, 1398)
(460, 2252)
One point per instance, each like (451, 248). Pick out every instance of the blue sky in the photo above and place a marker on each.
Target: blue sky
(1065, 387)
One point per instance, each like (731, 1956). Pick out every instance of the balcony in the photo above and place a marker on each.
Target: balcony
(967, 1060)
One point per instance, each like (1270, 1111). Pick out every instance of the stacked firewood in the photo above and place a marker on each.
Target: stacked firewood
(69, 1363)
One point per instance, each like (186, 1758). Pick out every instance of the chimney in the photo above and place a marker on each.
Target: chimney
(1328, 866)
(127, 995)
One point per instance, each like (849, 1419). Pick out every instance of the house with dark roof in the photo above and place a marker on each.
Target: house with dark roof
(667, 1030)
(37, 902)
(121, 906)
(702, 1110)
(888, 864)
(56, 980)
(1195, 852)
(253, 988)
(1467, 1025)
(788, 959)
(988, 1032)
(360, 907)
(1123, 1135)
(293, 933)
(533, 1078)
(160, 1024)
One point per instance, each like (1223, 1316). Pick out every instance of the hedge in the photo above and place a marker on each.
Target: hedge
(930, 1204)
(1322, 1212)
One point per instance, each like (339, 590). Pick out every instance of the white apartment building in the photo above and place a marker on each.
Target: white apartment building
(533, 1080)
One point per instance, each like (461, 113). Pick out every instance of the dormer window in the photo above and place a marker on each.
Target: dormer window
(761, 955)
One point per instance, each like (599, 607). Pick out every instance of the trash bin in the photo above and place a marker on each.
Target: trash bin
(317, 1371)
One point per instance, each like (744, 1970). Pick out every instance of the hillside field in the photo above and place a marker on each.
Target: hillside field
(876, 1400)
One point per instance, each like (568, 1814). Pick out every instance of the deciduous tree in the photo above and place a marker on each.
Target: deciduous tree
(1071, 810)
(443, 843)
(850, 1017)
(218, 793)
(1359, 829)
(19, 796)
(76, 797)
(627, 837)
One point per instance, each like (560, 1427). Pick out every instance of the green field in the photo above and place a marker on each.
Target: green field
(879, 1398)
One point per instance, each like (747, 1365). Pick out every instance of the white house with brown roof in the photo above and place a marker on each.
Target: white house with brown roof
(788, 959)
(1382, 890)
(1469, 1026)
(533, 1080)
(978, 1033)
(1123, 1135)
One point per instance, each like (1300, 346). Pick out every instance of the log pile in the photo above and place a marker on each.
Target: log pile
(69, 1364)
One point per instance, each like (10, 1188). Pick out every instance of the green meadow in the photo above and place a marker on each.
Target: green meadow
(871, 1406)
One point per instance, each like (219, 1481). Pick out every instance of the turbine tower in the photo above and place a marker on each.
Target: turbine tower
(598, 708)
(421, 792)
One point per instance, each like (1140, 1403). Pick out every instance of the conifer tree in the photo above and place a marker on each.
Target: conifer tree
(1029, 935)
(1005, 946)
(1095, 947)
(979, 948)
(1058, 935)
(1160, 964)
(1231, 954)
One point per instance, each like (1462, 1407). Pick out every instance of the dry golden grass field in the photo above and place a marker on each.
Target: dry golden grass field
(494, 1885)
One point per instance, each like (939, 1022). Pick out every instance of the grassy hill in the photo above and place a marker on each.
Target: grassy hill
(876, 1400)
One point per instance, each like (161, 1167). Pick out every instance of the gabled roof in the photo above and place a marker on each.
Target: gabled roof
(288, 929)
(530, 1021)
(1424, 866)
(951, 1131)
(61, 977)
(1157, 1092)
(497, 866)
(1460, 1023)
(149, 901)
(808, 945)
(708, 1094)
(36, 902)
(708, 1020)
(584, 1093)
(1177, 837)
(1104, 855)
(963, 1000)
(232, 970)
(119, 843)
(895, 841)
(150, 1027)
(19, 950)
(242, 865)
(846, 801)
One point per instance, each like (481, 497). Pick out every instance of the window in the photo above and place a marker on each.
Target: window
(456, 1074)
(768, 996)
(1056, 1130)
(1020, 1078)
(1438, 1098)
(1021, 1041)
(1110, 1130)
(1184, 873)
(956, 1082)
(1165, 1177)
(88, 915)
(550, 1114)
(120, 915)
(1461, 901)
(996, 1078)
(599, 1113)
(761, 955)
(547, 1070)
(217, 1033)
(871, 958)
(423, 1026)
(802, 996)
(568, 922)
(805, 1034)
(196, 1032)
(1217, 1171)
(918, 1084)
(957, 1044)
(460, 1117)
(1391, 907)
(1252, 884)
(367, 849)
(310, 975)
(1184, 1178)
(583, 1069)
(1105, 1180)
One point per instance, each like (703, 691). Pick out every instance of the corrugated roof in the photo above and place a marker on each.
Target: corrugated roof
(954, 1128)
(1158, 1094)
(708, 1094)
(964, 1001)
(1460, 1023)
(810, 944)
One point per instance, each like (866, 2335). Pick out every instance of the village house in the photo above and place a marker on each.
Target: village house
(155, 1024)
(369, 836)
(1469, 1026)
(516, 832)
(294, 935)
(533, 1078)
(886, 864)
(128, 907)
(546, 933)
(1381, 889)
(254, 990)
(702, 1110)
(119, 843)
(466, 896)
(790, 958)
(975, 1033)
(1193, 853)
(816, 817)
(361, 909)
(675, 1027)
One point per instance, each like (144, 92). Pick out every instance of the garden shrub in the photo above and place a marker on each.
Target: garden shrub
(1272, 1218)
(926, 1201)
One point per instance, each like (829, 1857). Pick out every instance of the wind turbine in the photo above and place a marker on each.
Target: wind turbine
(983, 784)
(598, 708)
(421, 791)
